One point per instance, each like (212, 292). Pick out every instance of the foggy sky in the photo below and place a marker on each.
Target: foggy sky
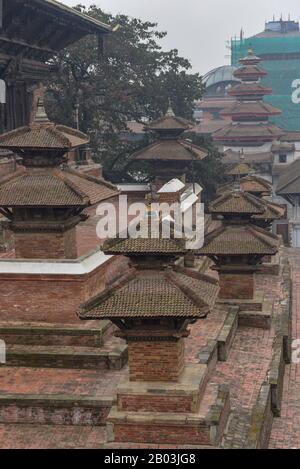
(199, 29)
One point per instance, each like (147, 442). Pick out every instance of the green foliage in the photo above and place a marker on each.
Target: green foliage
(134, 78)
(210, 171)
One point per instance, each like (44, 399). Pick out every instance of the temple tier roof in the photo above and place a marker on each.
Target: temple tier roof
(247, 133)
(237, 202)
(169, 293)
(234, 157)
(42, 134)
(254, 109)
(238, 169)
(169, 123)
(238, 240)
(252, 184)
(44, 183)
(253, 90)
(170, 146)
(289, 181)
(250, 72)
(169, 150)
(53, 188)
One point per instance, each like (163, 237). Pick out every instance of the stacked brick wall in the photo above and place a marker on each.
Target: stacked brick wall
(156, 360)
(46, 245)
(236, 285)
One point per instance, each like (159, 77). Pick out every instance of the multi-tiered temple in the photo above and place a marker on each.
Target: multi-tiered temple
(43, 201)
(171, 156)
(250, 115)
(152, 306)
(238, 246)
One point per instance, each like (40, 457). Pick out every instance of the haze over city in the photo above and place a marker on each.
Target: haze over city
(200, 31)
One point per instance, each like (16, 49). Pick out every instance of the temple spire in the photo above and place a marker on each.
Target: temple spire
(170, 112)
(41, 115)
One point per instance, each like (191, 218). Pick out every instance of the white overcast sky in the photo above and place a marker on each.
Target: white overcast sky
(199, 29)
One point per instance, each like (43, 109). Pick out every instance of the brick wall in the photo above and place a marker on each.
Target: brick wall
(168, 434)
(151, 403)
(46, 245)
(237, 285)
(155, 360)
(53, 298)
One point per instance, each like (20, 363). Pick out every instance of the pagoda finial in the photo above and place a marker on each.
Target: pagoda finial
(41, 115)
(250, 50)
(170, 112)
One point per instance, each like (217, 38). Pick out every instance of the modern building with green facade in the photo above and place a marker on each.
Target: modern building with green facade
(279, 48)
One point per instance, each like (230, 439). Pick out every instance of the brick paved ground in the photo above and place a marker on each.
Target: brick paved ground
(286, 429)
(244, 372)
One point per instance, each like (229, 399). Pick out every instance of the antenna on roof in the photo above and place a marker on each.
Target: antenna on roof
(289, 17)
(273, 17)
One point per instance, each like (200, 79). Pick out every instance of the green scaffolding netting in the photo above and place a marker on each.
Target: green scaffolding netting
(281, 59)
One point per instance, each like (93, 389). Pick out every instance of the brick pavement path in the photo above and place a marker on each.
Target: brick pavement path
(286, 429)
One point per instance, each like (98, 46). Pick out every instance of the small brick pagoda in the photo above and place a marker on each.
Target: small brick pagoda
(152, 307)
(43, 201)
(238, 246)
(171, 156)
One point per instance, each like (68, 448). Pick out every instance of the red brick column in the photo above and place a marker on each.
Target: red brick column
(156, 360)
(236, 285)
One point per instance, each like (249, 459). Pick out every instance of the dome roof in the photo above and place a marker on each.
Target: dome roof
(219, 75)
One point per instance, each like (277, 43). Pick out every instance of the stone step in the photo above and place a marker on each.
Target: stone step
(260, 319)
(227, 333)
(55, 334)
(111, 356)
(205, 427)
(56, 396)
(54, 409)
(38, 436)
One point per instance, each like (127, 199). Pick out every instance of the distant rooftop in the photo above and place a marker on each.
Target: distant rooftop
(219, 75)
(280, 27)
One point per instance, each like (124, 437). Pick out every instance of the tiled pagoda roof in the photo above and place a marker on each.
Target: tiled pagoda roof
(231, 157)
(289, 181)
(251, 183)
(43, 134)
(238, 169)
(169, 122)
(255, 184)
(54, 188)
(249, 72)
(252, 109)
(173, 293)
(239, 239)
(249, 89)
(170, 149)
(145, 246)
(272, 211)
(248, 132)
(237, 202)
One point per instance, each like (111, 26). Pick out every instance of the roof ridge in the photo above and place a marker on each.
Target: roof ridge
(71, 185)
(195, 274)
(107, 292)
(188, 292)
(92, 178)
(262, 235)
